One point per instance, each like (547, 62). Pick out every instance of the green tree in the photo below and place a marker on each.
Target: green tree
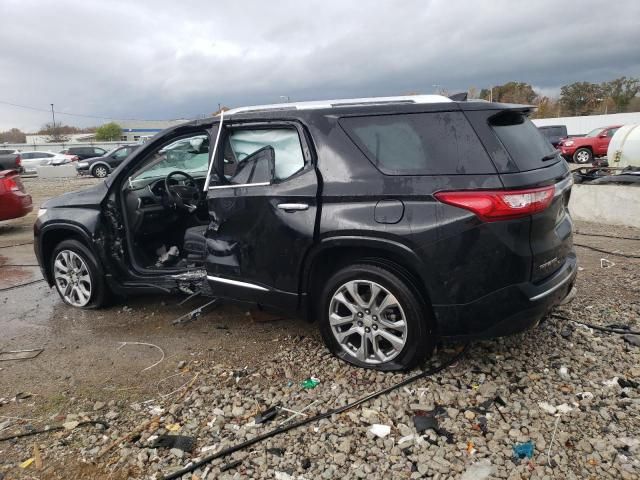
(622, 90)
(108, 132)
(510, 92)
(547, 108)
(581, 98)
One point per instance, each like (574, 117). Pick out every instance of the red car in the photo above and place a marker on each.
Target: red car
(593, 144)
(14, 200)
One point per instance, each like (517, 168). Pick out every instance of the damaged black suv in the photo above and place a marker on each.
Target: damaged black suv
(392, 222)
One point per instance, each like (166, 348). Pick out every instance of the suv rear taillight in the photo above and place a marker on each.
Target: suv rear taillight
(495, 205)
(18, 161)
(12, 183)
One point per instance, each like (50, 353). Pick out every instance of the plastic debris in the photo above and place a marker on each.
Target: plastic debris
(564, 408)
(37, 458)
(611, 383)
(173, 427)
(27, 462)
(471, 449)
(585, 395)
(425, 422)
(564, 372)
(604, 263)
(309, 383)
(523, 450)
(379, 430)
(480, 470)
(547, 407)
(266, 416)
(167, 258)
(20, 354)
(181, 442)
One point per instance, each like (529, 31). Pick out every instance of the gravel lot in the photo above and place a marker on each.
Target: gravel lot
(570, 390)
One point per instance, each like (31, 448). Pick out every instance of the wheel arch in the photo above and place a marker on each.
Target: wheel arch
(52, 235)
(335, 253)
(96, 164)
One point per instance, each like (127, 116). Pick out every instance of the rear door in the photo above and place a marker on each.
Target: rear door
(262, 218)
(526, 159)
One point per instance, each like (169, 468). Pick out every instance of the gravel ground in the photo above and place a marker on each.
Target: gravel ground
(570, 390)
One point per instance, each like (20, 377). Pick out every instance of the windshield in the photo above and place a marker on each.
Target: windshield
(595, 133)
(190, 155)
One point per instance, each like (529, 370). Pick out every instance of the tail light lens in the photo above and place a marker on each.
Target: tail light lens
(12, 183)
(495, 205)
(18, 160)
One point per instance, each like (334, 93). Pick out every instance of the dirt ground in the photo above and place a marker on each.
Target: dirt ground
(85, 359)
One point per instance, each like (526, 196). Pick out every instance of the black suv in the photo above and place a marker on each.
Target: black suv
(101, 166)
(392, 222)
(84, 152)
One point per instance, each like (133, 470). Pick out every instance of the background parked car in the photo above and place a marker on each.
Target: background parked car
(585, 149)
(14, 200)
(10, 159)
(33, 159)
(100, 167)
(554, 133)
(84, 152)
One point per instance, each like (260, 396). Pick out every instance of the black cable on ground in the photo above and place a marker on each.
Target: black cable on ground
(54, 429)
(619, 331)
(17, 245)
(306, 421)
(606, 236)
(606, 251)
(21, 285)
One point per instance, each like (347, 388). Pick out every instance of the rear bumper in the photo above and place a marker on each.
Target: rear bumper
(509, 310)
(15, 205)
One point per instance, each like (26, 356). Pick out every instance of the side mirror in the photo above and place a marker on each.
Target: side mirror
(603, 135)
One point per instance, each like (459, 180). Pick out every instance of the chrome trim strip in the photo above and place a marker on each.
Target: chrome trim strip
(293, 206)
(237, 283)
(237, 185)
(215, 149)
(551, 290)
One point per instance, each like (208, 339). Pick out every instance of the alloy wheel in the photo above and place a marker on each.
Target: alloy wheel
(583, 156)
(72, 278)
(368, 321)
(100, 172)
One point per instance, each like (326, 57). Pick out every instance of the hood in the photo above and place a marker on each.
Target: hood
(87, 198)
(94, 159)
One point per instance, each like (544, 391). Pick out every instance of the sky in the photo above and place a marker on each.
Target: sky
(164, 59)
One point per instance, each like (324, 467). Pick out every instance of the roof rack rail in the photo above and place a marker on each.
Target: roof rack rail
(346, 102)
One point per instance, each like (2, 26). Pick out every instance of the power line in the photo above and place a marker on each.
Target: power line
(27, 107)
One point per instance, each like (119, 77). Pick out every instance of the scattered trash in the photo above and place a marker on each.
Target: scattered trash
(136, 431)
(604, 263)
(22, 396)
(309, 383)
(266, 416)
(406, 441)
(611, 383)
(585, 395)
(564, 372)
(27, 462)
(167, 258)
(425, 422)
(480, 470)
(471, 449)
(624, 383)
(195, 313)
(523, 450)
(632, 339)
(173, 427)
(122, 344)
(296, 414)
(20, 354)
(181, 442)
(37, 458)
(482, 425)
(379, 430)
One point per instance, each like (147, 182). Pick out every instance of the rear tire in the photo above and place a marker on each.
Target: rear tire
(391, 331)
(78, 276)
(100, 171)
(582, 156)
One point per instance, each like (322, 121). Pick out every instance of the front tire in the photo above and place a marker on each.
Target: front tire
(78, 277)
(100, 171)
(373, 317)
(582, 156)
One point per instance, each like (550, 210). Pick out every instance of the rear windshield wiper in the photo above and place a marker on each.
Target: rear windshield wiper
(550, 156)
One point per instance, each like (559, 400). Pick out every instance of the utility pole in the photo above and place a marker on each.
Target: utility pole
(491, 94)
(53, 127)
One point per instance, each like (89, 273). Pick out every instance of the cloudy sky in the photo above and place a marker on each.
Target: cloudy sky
(170, 59)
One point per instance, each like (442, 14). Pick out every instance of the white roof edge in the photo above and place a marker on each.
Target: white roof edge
(317, 104)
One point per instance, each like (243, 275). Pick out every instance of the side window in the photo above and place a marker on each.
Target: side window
(419, 143)
(122, 153)
(98, 151)
(611, 132)
(26, 156)
(246, 154)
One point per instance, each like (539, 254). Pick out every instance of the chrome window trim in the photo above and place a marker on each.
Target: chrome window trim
(236, 185)
(213, 156)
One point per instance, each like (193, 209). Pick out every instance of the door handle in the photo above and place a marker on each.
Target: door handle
(293, 206)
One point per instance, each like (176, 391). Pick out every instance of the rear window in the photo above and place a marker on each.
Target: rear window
(419, 143)
(522, 140)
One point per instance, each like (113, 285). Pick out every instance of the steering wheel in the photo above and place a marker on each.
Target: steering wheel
(185, 196)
